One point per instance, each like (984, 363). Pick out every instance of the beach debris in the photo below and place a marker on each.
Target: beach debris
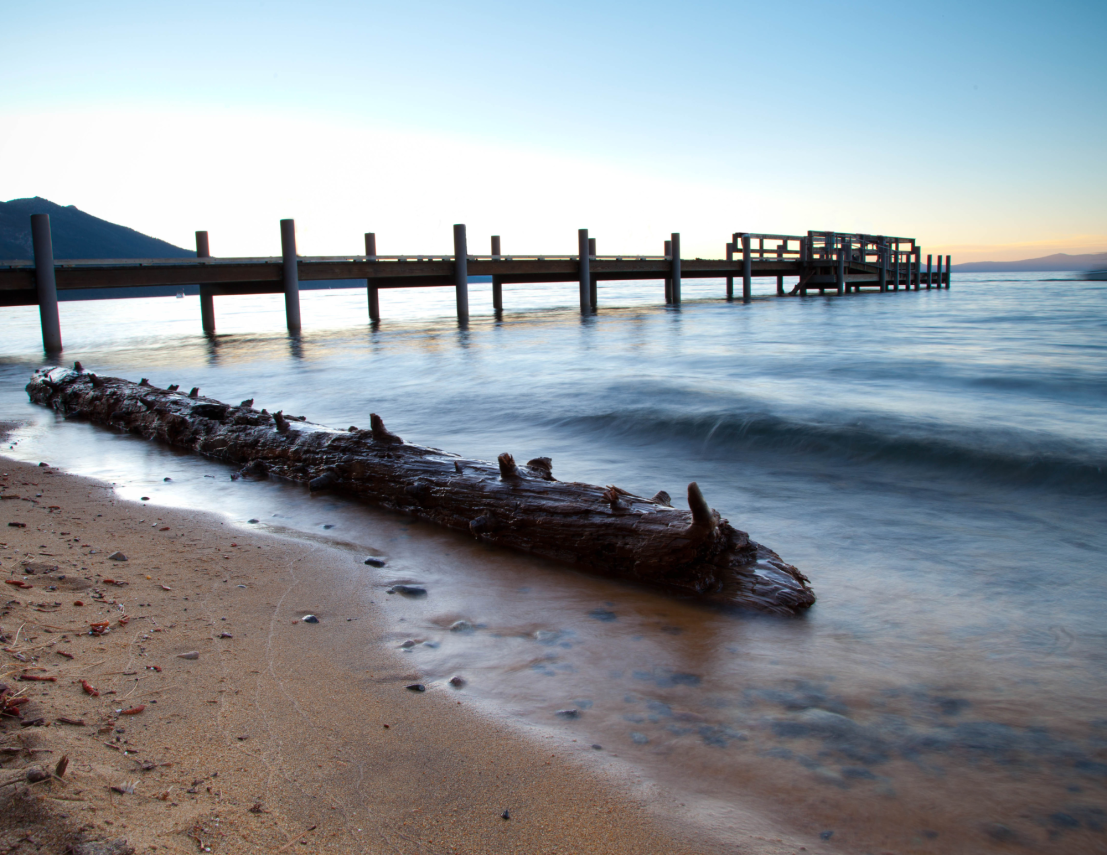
(252, 521)
(17, 525)
(407, 590)
(90, 689)
(374, 562)
(132, 710)
(100, 627)
(62, 765)
(37, 678)
(225, 635)
(457, 682)
(127, 788)
(407, 645)
(310, 619)
(416, 687)
(77, 722)
(461, 626)
(607, 530)
(597, 747)
(568, 713)
(117, 556)
(19, 583)
(36, 775)
(505, 815)
(192, 654)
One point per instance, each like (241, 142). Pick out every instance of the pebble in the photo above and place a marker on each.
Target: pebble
(826, 835)
(416, 687)
(597, 747)
(461, 626)
(251, 521)
(225, 635)
(35, 774)
(408, 590)
(375, 562)
(505, 815)
(570, 713)
(166, 478)
(457, 682)
(310, 619)
(192, 654)
(407, 645)
(145, 498)
(117, 556)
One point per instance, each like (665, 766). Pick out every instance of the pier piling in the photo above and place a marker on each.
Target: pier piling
(949, 270)
(370, 286)
(593, 285)
(290, 275)
(497, 283)
(585, 272)
(747, 269)
(207, 299)
(840, 274)
(669, 279)
(730, 248)
(929, 270)
(461, 273)
(46, 287)
(676, 268)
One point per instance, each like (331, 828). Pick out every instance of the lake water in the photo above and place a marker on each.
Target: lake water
(934, 461)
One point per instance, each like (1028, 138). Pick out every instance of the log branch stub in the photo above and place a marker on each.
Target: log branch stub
(380, 432)
(542, 467)
(702, 515)
(508, 469)
(195, 393)
(662, 498)
(646, 540)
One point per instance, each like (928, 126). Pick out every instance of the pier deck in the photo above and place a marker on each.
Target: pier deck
(820, 261)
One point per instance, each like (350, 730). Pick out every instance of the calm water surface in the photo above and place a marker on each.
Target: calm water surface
(935, 462)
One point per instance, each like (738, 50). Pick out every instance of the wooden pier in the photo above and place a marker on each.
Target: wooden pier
(820, 261)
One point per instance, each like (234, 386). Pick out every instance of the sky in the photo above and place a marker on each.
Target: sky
(979, 128)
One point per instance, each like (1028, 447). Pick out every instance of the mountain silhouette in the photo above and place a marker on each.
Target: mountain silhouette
(76, 234)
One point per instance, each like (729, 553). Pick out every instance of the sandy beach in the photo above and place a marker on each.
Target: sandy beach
(225, 723)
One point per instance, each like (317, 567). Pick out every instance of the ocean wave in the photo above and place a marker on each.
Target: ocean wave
(1003, 455)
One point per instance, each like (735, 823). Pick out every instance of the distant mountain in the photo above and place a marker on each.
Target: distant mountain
(76, 234)
(1058, 262)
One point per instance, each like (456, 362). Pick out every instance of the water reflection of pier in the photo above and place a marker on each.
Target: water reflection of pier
(820, 261)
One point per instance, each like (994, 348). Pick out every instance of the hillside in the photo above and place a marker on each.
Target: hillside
(76, 234)
(1057, 262)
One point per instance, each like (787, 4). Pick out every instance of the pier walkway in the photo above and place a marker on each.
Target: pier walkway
(820, 261)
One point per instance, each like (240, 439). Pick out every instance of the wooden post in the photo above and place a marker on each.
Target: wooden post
(938, 276)
(676, 268)
(882, 262)
(668, 279)
(747, 269)
(949, 270)
(916, 273)
(592, 284)
(585, 272)
(895, 277)
(929, 270)
(497, 283)
(46, 287)
(730, 279)
(207, 299)
(841, 267)
(370, 284)
(290, 274)
(461, 273)
(780, 276)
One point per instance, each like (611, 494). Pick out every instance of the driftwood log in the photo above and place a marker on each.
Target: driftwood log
(606, 530)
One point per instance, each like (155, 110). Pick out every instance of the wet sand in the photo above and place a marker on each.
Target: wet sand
(263, 742)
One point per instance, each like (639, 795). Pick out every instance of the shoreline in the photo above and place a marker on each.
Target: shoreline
(265, 738)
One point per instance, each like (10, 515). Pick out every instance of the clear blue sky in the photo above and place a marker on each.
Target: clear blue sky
(979, 127)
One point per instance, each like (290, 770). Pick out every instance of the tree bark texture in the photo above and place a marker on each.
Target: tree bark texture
(606, 530)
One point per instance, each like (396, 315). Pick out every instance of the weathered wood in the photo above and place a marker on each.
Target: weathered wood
(45, 284)
(207, 298)
(290, 275)
(609, 531)
(372, 290)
